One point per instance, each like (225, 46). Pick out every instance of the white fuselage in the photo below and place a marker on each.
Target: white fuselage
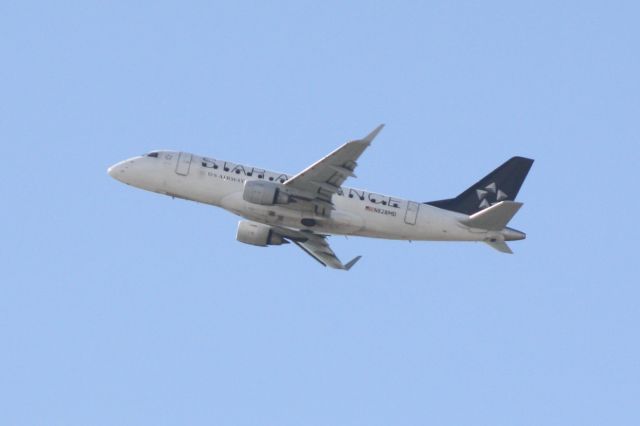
(357, 212)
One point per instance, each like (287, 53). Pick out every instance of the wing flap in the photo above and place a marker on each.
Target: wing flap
(343, 171)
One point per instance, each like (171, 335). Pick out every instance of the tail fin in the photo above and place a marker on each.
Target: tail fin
(502, 184)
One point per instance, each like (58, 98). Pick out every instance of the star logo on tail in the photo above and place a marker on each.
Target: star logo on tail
(490, 195)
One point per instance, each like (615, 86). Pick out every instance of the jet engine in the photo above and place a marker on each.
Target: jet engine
(258, 234)
(264, 193)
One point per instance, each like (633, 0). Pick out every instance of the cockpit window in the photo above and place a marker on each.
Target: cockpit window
(152, 154)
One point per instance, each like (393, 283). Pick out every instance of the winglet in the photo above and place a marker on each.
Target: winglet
(371, 136)
(352, 262)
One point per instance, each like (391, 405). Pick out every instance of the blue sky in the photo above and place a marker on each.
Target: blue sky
(119, 306)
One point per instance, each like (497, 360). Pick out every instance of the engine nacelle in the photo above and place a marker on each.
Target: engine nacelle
(258, 234)
(264, 193)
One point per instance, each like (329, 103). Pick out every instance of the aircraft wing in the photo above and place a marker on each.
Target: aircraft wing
(316, 246)
(319, 249)
(323, 178)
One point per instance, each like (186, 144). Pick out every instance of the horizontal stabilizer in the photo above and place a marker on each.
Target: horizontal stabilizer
(493, 218)
(500, 246)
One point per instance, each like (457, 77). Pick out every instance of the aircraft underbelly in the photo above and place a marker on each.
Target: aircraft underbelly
(429, 225)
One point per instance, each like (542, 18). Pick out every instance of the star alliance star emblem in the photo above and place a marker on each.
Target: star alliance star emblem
(490, 195)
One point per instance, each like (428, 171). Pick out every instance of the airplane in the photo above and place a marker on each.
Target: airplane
(308, 207)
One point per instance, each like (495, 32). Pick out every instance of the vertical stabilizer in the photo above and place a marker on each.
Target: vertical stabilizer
(502, 184)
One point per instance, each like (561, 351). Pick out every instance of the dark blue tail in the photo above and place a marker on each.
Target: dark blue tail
(501, 184)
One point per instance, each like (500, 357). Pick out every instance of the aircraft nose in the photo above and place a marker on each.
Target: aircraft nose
(118, 170)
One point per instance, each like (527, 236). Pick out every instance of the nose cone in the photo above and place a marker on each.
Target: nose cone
(117, 171)
(136, 172)
(125, 171)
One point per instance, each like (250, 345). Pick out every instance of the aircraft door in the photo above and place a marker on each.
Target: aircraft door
(412, 213)
(184, 164)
